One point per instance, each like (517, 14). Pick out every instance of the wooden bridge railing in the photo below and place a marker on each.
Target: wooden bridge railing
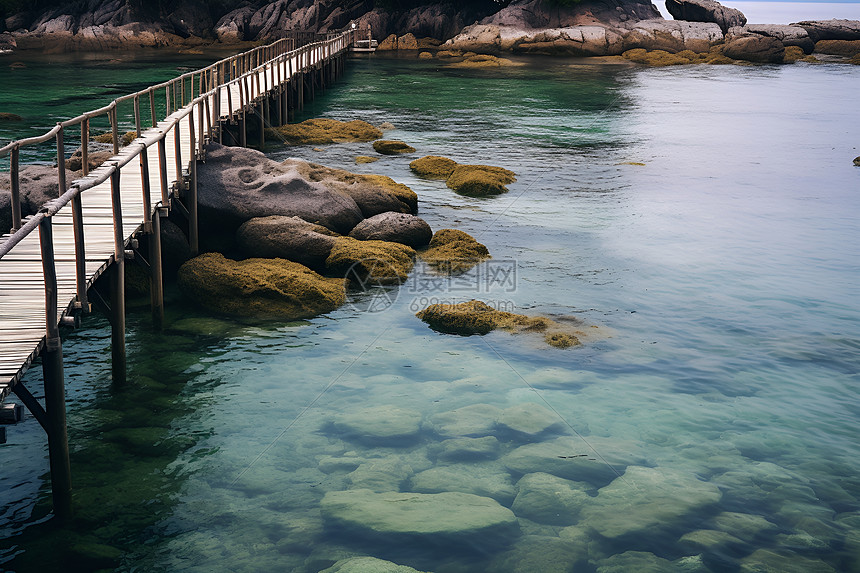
(198, 102)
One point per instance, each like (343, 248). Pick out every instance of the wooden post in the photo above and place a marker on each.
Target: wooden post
(14, 174)
(117, 294)
(55, 393)
(156, 281)
(152, 107)
(193, 234)
(61, 162)
(137, 114)
(262, 114)
(162, 170)
(177, 150)
(145, 187)
(80, 254)
(85, 144)
(114, 130)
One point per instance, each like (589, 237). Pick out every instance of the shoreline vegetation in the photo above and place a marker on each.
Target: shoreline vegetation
(703, 31)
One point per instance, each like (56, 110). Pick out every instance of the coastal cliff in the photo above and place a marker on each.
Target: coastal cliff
(552, 27)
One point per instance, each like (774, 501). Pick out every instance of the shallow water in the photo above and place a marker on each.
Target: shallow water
(704, 219)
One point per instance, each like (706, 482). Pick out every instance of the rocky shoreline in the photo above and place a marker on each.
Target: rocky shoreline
(589, 28)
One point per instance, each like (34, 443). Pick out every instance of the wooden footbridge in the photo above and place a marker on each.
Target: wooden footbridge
(51, 259)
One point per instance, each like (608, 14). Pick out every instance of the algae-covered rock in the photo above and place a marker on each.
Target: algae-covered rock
(94, 159)
(259, 288)
(483, 61)
(855, 61)
(848, 48)
(425, 56)
(368, 565)
(639, 561)
(480, 180)
(432, 518)
(374, 194)
(288, 238)
(645, 498)
(745, 525)
(381, 475)
(707, 540)
(433, 167)
(365, 159)
(397, 227)
(796, 54)
(324, 130)
(549, 499)
(452, 251)
(392, 147)
(857, 161)
(379, 423)
(124, 139)
(476, 317)
(378, 262)
(655, 57)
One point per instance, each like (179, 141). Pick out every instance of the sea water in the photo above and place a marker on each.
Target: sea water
(698, 224)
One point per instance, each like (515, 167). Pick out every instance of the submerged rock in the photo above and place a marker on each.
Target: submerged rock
(392, 147)
(376, 262)
(396, 227)
(368, 565)
(480, 180)
(454, 252)
(259, 288)
(483, 61)
(384, 423)
(782, 561)
(549, 499)
(574, 459)
(432, 518)
(485, 448)
(6, 116)
(288, 238)
(528, 420)
(706, 11)
(487, 480)
(543, 554)
(476, 420)
(324, 130)
(381, 475)
(645, 498)
(433, 167)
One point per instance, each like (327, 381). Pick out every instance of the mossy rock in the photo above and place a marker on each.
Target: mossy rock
(855, 60)
(259, 288)
(452, 251)
(324, 130)
(6, 116)
(476, 317)
(124, 139)
(656, 57)
(796, 54)
(425, 56)
(847, 48)
(392, 147)
(483, 61)
(378, 262)
(433, 167)
(366, 159)
(480, 180)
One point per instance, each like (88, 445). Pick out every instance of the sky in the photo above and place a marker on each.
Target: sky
(773, 12)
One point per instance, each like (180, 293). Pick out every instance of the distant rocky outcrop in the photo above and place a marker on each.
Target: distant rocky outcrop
(706, 11)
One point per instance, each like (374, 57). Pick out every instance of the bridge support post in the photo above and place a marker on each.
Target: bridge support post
(156, 281)
(117, 291)
(55, 392)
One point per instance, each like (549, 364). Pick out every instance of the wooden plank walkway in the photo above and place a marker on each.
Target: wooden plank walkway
(22, 282)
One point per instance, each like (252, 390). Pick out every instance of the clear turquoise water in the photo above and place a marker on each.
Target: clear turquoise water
(722, 276)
